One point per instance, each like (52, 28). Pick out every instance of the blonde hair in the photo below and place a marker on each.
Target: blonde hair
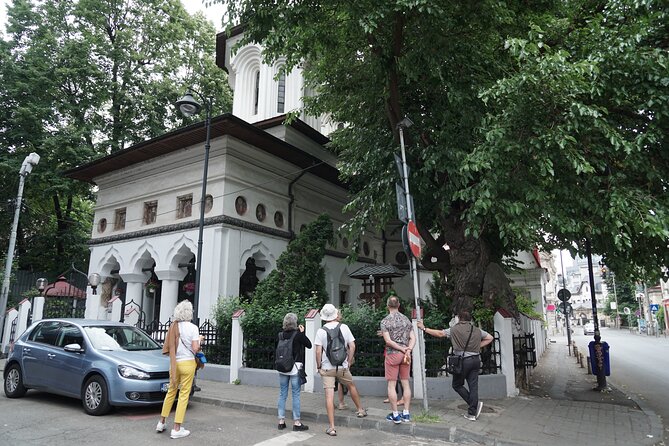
(183, 311)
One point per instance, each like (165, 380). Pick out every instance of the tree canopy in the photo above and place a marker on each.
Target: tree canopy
(80, 79)
(536, 124)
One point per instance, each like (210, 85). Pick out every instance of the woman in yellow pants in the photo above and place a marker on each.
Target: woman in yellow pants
(182, 341)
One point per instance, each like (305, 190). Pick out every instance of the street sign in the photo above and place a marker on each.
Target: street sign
(654, 308)
(400, 169)
(402, 211)
(564, 294)
(566, 308)
(414, 239)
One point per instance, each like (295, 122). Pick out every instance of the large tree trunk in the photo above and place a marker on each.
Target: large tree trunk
(469, 267)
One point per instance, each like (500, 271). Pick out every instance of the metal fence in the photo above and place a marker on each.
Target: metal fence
(215, 345)
(436, 350)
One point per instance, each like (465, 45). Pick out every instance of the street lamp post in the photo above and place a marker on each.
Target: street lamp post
(189, 107)
(401, 126)
(29, 162)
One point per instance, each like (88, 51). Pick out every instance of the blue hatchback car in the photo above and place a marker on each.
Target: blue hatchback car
(103, 363)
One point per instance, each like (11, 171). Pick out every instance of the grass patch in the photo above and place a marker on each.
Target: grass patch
(426, 417)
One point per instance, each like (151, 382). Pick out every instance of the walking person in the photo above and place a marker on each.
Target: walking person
(400, 339)
(292, 378)
(467, 340)
(181, 343)
(327, 364)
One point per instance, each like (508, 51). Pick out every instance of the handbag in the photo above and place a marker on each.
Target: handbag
(455, 363)
(303, 375)
(200, 359)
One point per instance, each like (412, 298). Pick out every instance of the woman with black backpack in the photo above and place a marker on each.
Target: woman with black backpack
(290, 365)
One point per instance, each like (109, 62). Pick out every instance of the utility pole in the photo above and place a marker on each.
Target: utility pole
(28, 163)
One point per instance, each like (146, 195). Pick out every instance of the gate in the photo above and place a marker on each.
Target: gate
(66, 297)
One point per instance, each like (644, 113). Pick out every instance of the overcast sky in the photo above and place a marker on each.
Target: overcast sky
(214, 13)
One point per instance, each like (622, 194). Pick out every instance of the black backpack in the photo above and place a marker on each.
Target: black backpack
(283, 358)
(336, 350)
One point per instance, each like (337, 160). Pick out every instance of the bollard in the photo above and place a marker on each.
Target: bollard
(589, 367)
(576, 353)
(580, 358)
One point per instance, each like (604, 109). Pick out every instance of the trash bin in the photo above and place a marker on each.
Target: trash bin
(599, 354)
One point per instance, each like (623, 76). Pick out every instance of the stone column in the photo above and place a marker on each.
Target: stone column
(9, 318)
(503, 323)
(134, 291)
(169, 291)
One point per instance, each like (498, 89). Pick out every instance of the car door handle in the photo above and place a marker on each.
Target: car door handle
(50, 355)
(26, 350)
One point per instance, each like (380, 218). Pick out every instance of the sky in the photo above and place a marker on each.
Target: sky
(214, 13)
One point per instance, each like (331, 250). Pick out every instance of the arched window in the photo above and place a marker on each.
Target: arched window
(256, 94)
(281, 94)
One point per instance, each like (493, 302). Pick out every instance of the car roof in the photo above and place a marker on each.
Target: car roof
(86, 322)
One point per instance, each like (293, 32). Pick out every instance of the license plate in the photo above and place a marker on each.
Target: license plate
(164, 387)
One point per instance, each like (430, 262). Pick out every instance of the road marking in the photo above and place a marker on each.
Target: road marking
(286, 439)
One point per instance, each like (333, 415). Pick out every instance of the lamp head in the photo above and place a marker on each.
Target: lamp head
(41, 284)
(405, 123)
(188, 105)
(94, 281)
(28, 163)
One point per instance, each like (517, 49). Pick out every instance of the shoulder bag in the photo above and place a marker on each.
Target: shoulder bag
(455, 363)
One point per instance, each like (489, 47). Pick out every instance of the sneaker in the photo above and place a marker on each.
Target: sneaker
(196, 388)
(180, 433)
(470, 417)
(406, 418)
(478, 409)
(395, 419)
(300, 427)
(160, 427)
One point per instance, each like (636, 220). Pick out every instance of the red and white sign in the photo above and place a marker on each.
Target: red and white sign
(414, 239)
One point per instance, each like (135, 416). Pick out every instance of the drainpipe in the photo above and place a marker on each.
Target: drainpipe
(384, 245)
(290, 203)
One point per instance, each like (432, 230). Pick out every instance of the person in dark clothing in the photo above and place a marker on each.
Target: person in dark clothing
(467, 340)
(300, 342)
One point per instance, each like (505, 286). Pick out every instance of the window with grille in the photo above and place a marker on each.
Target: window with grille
(256, 93)
(150, 212)
(119, 219)
(184, 206)
(281, 97)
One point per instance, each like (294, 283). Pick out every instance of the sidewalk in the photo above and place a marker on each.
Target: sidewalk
(561, 409)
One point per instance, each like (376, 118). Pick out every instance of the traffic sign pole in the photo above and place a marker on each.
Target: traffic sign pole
(405, 123)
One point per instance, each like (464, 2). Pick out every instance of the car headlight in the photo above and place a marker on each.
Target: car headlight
(130, 372)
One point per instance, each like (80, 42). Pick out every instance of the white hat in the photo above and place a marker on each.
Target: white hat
(329, 313)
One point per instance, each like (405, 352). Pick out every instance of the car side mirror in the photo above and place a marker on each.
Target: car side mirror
(74, 348)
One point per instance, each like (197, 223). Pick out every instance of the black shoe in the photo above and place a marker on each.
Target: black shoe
(196, 388)
(282, 426)
(300, 427)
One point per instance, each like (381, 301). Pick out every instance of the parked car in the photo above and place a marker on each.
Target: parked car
(589, 329)
(103, 363)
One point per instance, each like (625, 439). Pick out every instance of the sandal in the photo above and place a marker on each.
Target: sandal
(331, 431)
(361, 413)
(342, 406)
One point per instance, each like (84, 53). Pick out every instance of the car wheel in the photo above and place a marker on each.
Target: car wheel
(95, 396)
(14, 387)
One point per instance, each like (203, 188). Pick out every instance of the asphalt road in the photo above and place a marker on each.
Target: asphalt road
(47, 420)
(639, 365)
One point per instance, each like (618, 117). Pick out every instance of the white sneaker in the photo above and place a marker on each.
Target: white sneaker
(478, 409)
(180, 433)
(160, 427)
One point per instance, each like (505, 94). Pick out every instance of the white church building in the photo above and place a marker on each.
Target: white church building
(266, 180)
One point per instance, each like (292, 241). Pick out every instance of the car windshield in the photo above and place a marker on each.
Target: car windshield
(120, 338)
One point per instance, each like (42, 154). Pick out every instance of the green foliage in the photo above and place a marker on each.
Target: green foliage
(535, 123)
(660, 319)
(527, 306)
(483, 315)
(438, 294)
(80, 80)
(299, 273)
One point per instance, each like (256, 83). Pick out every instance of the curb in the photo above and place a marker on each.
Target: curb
(452, 434)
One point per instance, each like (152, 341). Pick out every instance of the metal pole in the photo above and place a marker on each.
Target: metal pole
(615, 296)
(414, 269)
(599, 355)
(649, 314)
(10, 255)
(566, 316)
(198, 263)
